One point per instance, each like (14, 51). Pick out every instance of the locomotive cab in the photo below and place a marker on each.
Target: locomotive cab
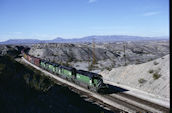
(97, 81)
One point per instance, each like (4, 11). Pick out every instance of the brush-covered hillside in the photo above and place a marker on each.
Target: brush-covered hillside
(106, 55)
(152, 77)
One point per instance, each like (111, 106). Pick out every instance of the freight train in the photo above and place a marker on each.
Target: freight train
(89, 80)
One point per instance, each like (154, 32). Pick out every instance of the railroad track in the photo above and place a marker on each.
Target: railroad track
(145, 103)
(120, 102)
(135, 108)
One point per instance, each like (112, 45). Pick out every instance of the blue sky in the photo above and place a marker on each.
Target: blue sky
(48, 19)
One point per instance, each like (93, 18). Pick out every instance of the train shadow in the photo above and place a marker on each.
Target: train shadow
(110, 89)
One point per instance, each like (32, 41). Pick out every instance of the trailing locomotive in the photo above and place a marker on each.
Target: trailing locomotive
(89, 80)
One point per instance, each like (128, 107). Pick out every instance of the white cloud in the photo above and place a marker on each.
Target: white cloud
(91, 1)
(151, 13)
(15, 33)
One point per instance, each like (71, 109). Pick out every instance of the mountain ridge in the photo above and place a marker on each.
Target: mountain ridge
(97, 38)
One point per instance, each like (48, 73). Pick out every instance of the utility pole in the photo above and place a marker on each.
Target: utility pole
(88, 57)
(124, 46)
(94, 59)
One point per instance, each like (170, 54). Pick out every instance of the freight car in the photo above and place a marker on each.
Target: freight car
(89, 80)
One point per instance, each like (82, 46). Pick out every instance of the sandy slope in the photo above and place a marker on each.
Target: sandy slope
(140, 76)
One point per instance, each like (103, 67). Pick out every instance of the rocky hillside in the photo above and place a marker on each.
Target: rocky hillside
(107, 55)
(12, 50)
(152, 77)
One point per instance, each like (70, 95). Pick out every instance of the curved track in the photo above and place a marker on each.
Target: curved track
(146, 103)
(115, 100)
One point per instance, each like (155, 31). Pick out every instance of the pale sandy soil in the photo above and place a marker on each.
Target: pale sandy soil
(141, 78)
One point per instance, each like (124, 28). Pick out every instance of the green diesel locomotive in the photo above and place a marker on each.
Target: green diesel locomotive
(89, 80)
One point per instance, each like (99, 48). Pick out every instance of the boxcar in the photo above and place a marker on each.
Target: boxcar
(36, 61)
(32, 59)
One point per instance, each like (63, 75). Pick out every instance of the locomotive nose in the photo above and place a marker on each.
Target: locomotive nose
(103, 89)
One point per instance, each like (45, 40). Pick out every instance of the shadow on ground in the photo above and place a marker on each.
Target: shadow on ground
(112, 89)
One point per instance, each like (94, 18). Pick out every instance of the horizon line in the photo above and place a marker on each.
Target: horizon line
(84, 37)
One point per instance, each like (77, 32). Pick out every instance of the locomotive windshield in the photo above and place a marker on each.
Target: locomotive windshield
(97, 81)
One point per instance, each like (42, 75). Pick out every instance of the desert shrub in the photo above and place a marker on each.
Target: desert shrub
(141, 80)
(156, 75)
(138, 61)
(155, 63)
(102, 69)
(70, 59)
(92, 67)
(150, 59)
(109, 68)
(151, 71)
(67, 63)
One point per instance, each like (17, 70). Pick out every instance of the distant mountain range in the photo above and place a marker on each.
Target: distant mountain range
(96, 38)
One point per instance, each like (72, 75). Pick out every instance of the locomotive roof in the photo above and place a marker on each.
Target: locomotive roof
(67, 68)
(90, 74)
(54, 64)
